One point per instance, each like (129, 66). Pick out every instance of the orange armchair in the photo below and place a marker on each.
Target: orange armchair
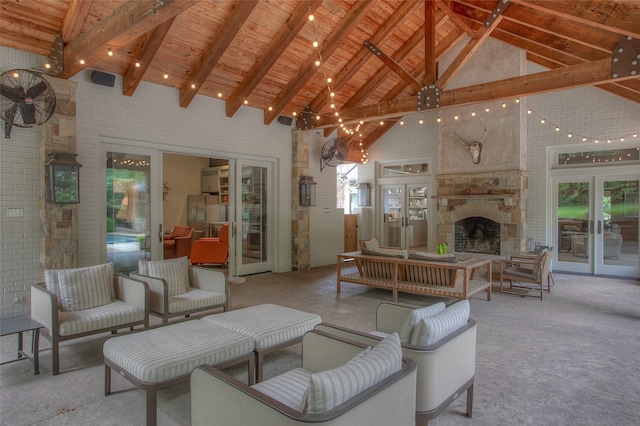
(211, 250)
(178, 242)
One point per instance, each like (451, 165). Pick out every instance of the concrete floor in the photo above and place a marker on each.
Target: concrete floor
(571, 359)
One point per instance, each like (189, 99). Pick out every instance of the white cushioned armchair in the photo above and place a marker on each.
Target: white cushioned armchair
(446, 367)
(177, 289)
(79, 302)
(338, 384)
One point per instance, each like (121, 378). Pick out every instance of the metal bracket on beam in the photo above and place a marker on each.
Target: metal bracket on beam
(496, 12)
(56, 59)
(306, 119)
(626, 58)
(373, 48)
(429, 98)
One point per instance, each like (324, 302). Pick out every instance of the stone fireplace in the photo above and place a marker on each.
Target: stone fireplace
(482, 212)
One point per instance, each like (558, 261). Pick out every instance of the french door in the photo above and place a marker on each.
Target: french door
(596, 224)
(251, 206)
(405, 216)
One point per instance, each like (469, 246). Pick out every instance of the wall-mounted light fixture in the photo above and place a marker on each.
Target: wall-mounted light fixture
(307, 191)
(364, 195)
(63, 178)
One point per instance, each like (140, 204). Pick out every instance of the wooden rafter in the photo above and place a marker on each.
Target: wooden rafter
(394, 66)
(218, 46)
(123, 25)
(75, 19)
(271, 54)
(430, 64)
(350, 21)
(147, 49)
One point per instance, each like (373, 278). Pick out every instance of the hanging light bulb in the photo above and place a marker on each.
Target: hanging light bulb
(109, 52)
(315, 43)
(311, 18)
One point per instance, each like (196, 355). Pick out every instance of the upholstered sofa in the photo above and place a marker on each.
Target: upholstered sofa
(445, 356)
(339, 383)
(211, 250)
(177, 289)
(79, 302)
(178, 242)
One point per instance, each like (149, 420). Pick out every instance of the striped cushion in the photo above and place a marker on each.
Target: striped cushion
(431, 329)
(103, 317)
(289, 388)
(51, 282)
(268, 324)
(85, 288)
(415, 316)
(328, 389)
(162, 354)
(195, 298)
(174, 271)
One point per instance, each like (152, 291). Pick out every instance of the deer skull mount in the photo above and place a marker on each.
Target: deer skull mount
(474, 147)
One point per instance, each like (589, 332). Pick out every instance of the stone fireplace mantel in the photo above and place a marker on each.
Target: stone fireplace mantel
(499, 196)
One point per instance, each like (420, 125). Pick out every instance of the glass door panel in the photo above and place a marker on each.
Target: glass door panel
(573, 225)
(393, 208)
(417, 233)
(252, 192)
(128, 218)
(405, 223)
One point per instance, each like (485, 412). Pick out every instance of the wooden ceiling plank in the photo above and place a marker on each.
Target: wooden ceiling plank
(218, 46)
(272, 53)
(148, 47)
(124, 24)
(339, 33)
(74, 19)
(354, 64)
(17, 40)
(587, 74)
(430, 63)
(454, 17)
(471, 47)
(619, 17)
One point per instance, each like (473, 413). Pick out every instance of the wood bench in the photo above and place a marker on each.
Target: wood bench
(442, 279)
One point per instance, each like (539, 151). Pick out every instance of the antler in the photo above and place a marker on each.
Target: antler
(485, 128)
(455, 134)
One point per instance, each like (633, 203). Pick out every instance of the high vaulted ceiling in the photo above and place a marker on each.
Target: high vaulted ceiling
(381, 55)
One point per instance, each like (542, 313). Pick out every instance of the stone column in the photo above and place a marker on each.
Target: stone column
(59, 232)
(300, 248)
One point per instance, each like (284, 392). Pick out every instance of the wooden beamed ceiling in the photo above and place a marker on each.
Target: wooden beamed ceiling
(382, 55)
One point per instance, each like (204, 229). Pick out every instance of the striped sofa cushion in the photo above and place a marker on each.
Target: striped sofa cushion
(162, 354)
(415, 316)
(431, 329)
(174, 271)
(328, 389)
(51, 283)
(85, 288)
(101, 317)
(289, 388)
(268, 324)
(195, 298)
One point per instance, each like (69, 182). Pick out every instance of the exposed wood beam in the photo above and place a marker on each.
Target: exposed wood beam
(147, 49)
(339, 33)
(272, 53)
(350, 69)
(619, 17)
(128, 22)
(395, 67)
(430, 64)
(454, 17)
(75, 19)
(470, 48)
(588, 74)
(218, 46)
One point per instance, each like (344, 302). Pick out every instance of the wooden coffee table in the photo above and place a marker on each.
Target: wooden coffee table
(18, 325)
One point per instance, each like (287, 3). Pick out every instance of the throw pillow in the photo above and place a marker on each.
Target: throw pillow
(371, 244)
(434, 257)
(174, 271)
(328, 389)
(398, 253)
(431, 329)
(415, 316)
(51, 283)
(180, 231)
(85, 288)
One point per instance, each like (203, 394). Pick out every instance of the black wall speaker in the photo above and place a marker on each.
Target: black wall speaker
(103, 78)
(283, 119)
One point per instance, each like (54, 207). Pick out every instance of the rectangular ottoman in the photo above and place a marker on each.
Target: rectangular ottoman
(162, 357)
(272, 327)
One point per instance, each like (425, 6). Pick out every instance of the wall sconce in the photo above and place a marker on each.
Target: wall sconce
(64, 178)
(307, 191)
(364, 194)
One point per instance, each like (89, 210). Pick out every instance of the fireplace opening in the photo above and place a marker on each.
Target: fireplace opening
(477, 235)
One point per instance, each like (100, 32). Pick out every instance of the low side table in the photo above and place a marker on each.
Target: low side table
(18, 325)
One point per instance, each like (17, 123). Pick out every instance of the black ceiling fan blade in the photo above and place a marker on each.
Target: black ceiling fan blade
(37, 90)
(15, 94)
(28, 112)
(340, 156)
(329, 154)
